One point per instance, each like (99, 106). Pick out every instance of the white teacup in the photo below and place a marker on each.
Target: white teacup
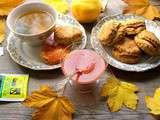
(37, 38)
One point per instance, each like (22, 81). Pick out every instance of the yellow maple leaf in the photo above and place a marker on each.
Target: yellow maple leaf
(154, 103)
(49, 105)
(7, 5)
(119, 93)
(61, 6)
(2, 30)
(142, 8)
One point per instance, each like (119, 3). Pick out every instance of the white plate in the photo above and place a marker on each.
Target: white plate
(146, 62)
(29, 57)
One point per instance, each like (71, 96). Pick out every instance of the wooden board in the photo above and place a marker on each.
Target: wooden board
(89, 106)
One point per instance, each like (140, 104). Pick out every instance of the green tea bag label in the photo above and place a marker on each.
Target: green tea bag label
(13, 87)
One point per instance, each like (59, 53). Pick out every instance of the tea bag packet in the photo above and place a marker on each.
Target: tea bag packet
(13, 87)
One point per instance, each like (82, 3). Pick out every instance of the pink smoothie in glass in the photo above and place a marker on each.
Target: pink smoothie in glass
(87, 65)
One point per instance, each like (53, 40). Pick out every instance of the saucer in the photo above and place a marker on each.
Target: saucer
(146, 62)
(29, 57)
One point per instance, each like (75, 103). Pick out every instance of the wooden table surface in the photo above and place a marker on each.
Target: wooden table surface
(89, 106)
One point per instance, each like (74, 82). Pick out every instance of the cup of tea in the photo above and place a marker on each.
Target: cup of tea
(32, 22)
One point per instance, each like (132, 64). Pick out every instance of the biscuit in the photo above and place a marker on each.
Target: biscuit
(150, 37)
(134, 26)
(134, 23)
(110, 32)
(128, 47)
(148, 42)
(67, 34)
(126, 51)
(120, 35)
(125, 58)
(146, 47)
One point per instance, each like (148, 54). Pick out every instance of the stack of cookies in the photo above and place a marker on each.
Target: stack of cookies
(129, 39)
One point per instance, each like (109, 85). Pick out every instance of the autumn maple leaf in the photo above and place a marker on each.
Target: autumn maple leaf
(119, 93)
(7, 5)
(2, 30)
(49, 106)
(154, 103)
(142, 8)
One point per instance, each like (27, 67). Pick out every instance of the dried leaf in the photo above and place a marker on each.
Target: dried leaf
(153, 103)
(49, 105)
(7, 5)
(61, 6)
(2, 30)
(141, 7)
(119, 93)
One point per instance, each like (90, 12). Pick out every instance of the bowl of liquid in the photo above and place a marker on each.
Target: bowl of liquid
(32, 22)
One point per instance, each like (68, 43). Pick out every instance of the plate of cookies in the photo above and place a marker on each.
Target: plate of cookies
(68, 35)
(128, 42)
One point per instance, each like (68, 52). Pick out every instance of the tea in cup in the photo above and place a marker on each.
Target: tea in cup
(32, 22)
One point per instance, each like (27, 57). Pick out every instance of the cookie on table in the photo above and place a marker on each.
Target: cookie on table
(148, 42)
(133, 26)
(126, 51)
(110, 32)
(67, 34)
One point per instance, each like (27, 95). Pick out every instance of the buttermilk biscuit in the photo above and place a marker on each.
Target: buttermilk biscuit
(67, 34)
(148, 42)
(126, 51)
(128, 46)
(110, 32)
(134, 26)
(125, 58)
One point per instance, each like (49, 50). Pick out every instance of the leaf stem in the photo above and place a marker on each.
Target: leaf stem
(105, 8)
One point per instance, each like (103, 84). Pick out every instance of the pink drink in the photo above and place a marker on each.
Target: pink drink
(87, 66)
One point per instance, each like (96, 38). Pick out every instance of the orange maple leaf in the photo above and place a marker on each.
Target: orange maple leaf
(142, 7)
(49, 106)
(7, 5)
